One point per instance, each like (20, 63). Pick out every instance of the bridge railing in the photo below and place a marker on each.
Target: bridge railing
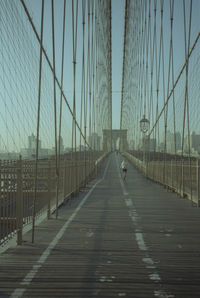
(17, 192)
(181, 176)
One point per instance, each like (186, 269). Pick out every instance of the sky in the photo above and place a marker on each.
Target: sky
(145, 102)
(118, 7)
(19, 60)
(34, 8)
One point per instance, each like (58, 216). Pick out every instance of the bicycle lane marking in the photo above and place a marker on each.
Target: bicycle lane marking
(147, 260)
(17, 293)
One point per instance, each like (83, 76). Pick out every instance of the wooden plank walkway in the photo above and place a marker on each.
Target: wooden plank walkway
(116, 239)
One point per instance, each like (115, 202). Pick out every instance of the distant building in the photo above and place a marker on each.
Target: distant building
(161, 147)
(94, 141)
(195, 142)
(9, 155)
(60, 140)
(68, 149)
(172, 141)
(32, 142)
(30, 152)
(82, 148)
(178, 141)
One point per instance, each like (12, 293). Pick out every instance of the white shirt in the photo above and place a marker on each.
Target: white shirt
(124, 165)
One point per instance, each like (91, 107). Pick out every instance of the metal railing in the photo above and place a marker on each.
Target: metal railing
(17, 190)
(181, 176)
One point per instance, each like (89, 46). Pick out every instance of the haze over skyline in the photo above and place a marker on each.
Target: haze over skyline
(20, 69)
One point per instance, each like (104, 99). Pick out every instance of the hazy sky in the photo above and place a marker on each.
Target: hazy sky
(117, 42)
(19, 58)
(117, 56)
(19, 61)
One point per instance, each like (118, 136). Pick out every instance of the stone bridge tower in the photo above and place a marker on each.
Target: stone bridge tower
(110, 138)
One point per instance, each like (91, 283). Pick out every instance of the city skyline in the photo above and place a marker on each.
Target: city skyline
(19, 79)
(96, 142)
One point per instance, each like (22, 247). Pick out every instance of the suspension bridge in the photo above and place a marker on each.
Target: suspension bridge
(70, 224)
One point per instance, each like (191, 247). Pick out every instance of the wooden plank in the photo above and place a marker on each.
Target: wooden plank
(141, 244)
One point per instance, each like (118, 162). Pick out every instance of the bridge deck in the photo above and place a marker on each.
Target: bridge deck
(117, 239)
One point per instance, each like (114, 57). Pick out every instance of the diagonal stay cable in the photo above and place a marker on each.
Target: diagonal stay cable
(62, 75)
(55, 111)
(176, 82)
(38, 126)
(51, 67)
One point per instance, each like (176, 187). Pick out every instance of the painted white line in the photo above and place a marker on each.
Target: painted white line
(140, 241)
(134, 218)
(125, 193)
(26, 281)
(149, 262)
(29, 277)
(18, 293)
(106, 169)
(162, 294)
(89, 234)
(129, 203)
(154, 276)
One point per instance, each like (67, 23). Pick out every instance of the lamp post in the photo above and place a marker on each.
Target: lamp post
(144, 127)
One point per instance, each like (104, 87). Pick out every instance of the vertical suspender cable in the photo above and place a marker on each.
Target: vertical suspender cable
(94, 72)
(74, 44)
(90, 84)
(83, 71)
(93, 86)
(174, 164)
(188, 117)
(110, 71)
(85, 107)
(150, 60)
(55, 113)
(168, 85)
(158, 75)
(186, 104)
(143, 63)
(148, 51)
(83, 91)
(62, 71)
(90, 77)
(50, 65)
(89, 74)
(87, 83)
(93, 68)
(153, 57)
(38, 125)
(123, 69)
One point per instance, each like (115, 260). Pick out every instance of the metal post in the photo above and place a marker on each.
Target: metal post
(49, 191)
(19, 212)
(64, 179)
(144, 161)
(198, 182)
(71, 176)
(57, 192)
(143, 148)
(171, 173)
(182, 178)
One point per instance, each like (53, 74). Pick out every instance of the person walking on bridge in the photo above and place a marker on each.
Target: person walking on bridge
(124, 168)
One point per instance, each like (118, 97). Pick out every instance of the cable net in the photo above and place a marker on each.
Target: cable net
(161, 76)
